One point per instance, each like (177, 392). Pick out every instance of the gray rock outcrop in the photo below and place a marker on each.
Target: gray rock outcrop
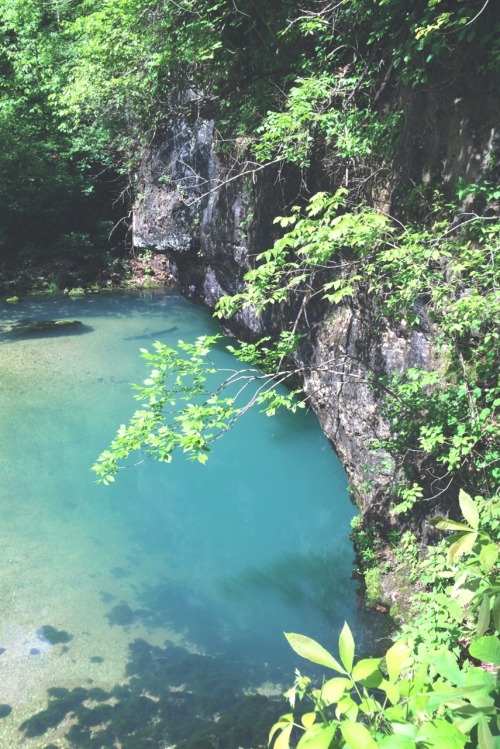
(211, 225)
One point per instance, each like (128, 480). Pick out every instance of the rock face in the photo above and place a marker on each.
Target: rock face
(449, 133)
(347, 407)
(211, 235)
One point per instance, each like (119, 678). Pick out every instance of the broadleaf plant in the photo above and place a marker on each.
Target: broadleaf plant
(423, 697)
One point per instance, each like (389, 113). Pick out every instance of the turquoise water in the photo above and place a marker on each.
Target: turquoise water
(138, 614)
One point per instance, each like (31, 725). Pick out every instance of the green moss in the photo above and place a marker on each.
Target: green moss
(365, 541)
(150, 283)
(45, 326)
(373, 582)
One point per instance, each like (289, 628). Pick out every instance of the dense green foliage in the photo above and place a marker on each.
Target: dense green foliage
(52, 203)
(412, 274)
(86, 85)
(184, 410)
(424, 691)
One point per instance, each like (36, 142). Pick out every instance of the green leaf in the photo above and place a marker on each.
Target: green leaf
(392, 691)
(346, 706)
(346, 647)
(430, 701)
(282, 723)
(483, 680)
(408, 730)
(496, 613)
(308, 719)
(439, 734)
(283, 740)
(397, 741)
(465, 725)
(367, 672)
(318, 737)
(357, 736)
(469, 509)
(483, 618)
(446, 665)
(486, 649)
(488, 556)
(484, 734)
(462, 546)
(395, 658)
(333, 689)
(443, 524)
(313, 651)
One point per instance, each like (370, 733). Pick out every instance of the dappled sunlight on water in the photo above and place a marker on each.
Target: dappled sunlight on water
(168, 592)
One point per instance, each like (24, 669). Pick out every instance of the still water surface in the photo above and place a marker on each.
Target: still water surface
(134, 614)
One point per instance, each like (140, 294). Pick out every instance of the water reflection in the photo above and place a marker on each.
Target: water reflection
(316, 583)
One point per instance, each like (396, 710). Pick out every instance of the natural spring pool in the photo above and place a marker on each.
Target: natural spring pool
(150, 613)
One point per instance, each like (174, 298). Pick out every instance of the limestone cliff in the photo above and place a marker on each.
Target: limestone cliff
(211, 224)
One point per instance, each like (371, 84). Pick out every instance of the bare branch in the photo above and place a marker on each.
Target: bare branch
(232, 179)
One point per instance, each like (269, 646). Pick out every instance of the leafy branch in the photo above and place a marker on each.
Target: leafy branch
(415, 276)
(189, 402)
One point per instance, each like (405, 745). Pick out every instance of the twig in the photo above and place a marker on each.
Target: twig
(231, 179)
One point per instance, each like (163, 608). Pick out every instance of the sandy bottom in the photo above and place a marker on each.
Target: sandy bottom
(76, 604)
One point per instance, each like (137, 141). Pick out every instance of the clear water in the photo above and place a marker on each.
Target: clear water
(170, 590)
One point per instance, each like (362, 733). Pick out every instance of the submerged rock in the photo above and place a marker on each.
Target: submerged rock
(76, 292)
(40, 328)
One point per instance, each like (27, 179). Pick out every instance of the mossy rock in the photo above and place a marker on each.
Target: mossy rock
(47, 326)
(150, 283)
(373, 582)
(77, 292)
